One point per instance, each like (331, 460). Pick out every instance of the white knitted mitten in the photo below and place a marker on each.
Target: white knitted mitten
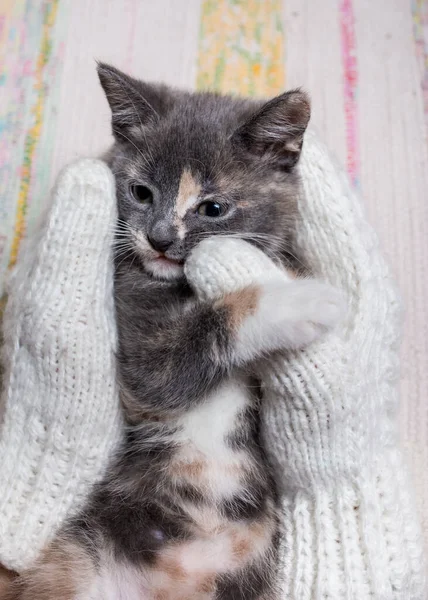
(328, 415)
(61, 409)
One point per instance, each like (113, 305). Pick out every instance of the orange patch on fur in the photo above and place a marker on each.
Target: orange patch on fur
(60, 573)
(207, 585)
(258, 529)
(241, 304)
(241, 547)
(188, 190)
(191, 569)
(192, 470)
(172, 568)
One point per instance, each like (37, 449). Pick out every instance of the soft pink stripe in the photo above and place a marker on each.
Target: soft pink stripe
(420, 31)
(349, 60)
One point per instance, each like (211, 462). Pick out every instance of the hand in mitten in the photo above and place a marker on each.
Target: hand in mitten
(60, 403)
(327, 417)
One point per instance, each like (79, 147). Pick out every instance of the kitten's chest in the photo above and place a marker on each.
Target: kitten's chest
(207, 456)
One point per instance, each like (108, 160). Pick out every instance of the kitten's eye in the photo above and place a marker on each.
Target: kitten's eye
(142, 194)
(211, 209)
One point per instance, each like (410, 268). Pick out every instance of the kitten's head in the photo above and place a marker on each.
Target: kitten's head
(192, 165)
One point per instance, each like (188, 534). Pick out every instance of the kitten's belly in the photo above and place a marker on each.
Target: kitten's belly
(186, 571)
(207, 462)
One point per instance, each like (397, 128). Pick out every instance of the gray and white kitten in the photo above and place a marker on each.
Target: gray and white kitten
(188, 509)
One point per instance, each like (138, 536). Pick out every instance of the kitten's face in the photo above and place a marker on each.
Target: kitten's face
(192, 165)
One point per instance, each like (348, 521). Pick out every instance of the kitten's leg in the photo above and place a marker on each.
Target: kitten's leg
(6, 578)
(191, 352)
(65, 571)
(281, 316)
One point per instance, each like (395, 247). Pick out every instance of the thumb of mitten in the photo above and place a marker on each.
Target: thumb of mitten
(221, 264)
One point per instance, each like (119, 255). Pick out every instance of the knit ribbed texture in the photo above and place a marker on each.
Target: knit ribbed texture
(328, 415)
(61, 413)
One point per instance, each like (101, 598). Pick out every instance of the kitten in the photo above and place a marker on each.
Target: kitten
(188, 509)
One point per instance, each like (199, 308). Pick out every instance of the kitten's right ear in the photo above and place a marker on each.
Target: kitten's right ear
(129, 100)
(277, 129)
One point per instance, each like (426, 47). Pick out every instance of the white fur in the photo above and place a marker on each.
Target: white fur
(164, 269)
(181, 228)
(203, 433)
(290, 314)
(117, 581)
(153, 261)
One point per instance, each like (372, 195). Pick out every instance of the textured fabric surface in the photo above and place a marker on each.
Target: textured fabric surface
(365, 64)
(61, 411)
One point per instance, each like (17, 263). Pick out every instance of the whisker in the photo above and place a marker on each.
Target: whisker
(122, 248)
(127, 255)
(119, 228)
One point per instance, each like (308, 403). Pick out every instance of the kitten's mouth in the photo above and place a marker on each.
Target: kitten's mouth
(165, 268)
(164, 259)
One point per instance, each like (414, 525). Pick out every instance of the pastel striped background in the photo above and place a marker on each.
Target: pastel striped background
(365, 64)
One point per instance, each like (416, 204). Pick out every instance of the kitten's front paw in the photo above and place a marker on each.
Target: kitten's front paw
(289, 315)
(318, 307)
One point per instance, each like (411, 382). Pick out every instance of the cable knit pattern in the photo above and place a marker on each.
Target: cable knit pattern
(61, 413)
(349, 527)
(328, 414)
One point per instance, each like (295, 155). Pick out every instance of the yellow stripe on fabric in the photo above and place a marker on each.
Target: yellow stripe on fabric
(33, 134)
(241, 47)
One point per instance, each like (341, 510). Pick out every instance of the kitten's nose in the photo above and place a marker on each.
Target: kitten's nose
(161, 236)
(160, 244)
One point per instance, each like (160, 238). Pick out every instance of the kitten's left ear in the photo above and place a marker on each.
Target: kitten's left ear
(277, 129)
(133, 103)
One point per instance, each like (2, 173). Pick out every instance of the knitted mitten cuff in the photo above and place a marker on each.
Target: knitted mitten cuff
(353, 540)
